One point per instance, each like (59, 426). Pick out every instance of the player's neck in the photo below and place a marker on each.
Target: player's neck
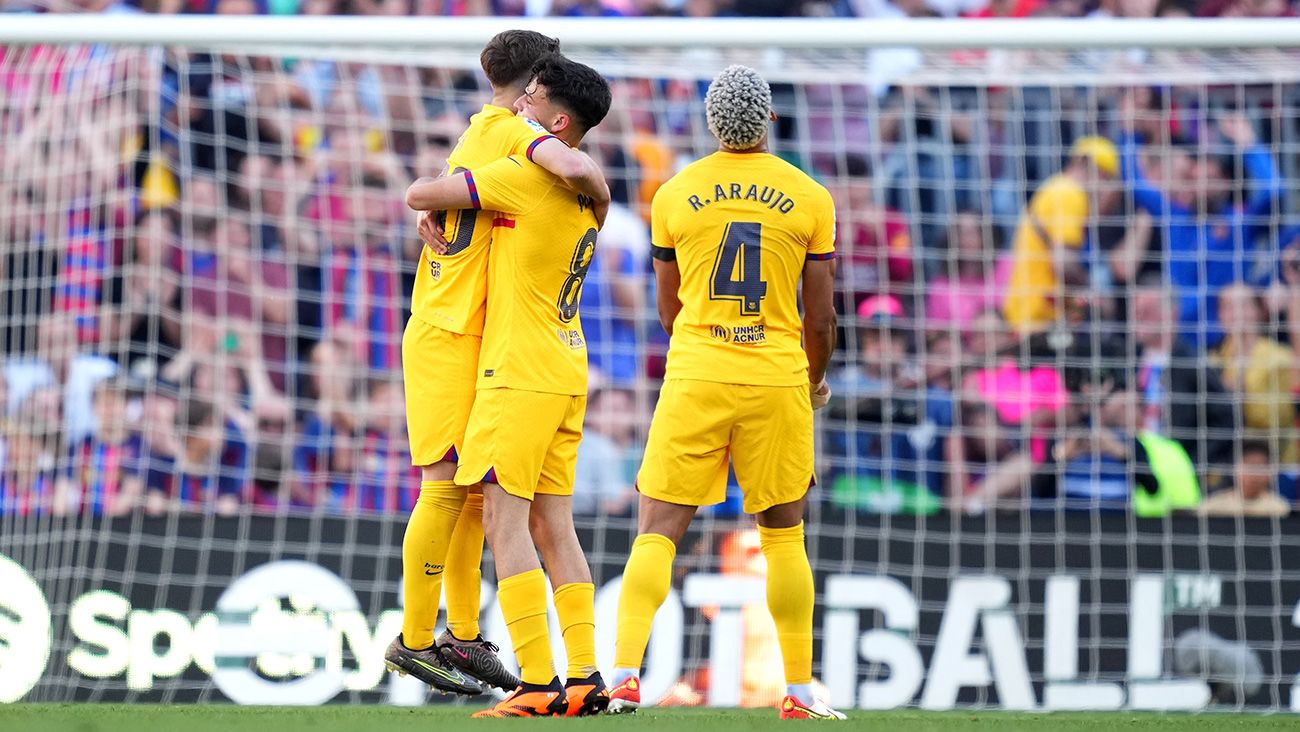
(569, 136)
(506, 97)
(759, 148)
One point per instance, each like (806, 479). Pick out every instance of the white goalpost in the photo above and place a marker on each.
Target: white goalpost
(205, 267)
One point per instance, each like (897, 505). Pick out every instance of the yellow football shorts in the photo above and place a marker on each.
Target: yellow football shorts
(767, 431)
(524, 441)
(439, 368)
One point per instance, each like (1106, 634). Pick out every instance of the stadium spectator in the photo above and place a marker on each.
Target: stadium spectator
(106, 466)
(250, 291)
(142, 298)
(267, 191)
(1029, 394)
(614, 297)
(209, 472)
(25, 264)
(1047, 241)
(386, 482)
(1010, 9)
(324, 457)
(940, 359)
(222, 361)
(1113, 462)
(1183, 398)
(873, 242)
(984, 460)
(930, 167)
(1253, 488)
(348, 461)
(987, 340)
(884, 440)
(157, 424)
(1209, 236)
(882, 355)
(1244, 9)
(1259, 371)
(59, 364)
(973, 277)
(1290, 266)
(606, 461)
(363, 282)
(586, 9)
(296, 151)
(32, 480)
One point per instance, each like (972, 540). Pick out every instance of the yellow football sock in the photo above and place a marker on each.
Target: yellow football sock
(790, 598)
(523, 605)
(646, 581)
(575, 604)
(463, 575)
(424, 552)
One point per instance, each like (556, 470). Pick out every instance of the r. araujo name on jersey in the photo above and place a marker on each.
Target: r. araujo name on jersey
(451, 290)
(741, 227)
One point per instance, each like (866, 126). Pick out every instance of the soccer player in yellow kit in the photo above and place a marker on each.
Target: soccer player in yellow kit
(733, 234)
(526, 422)
(440, 352)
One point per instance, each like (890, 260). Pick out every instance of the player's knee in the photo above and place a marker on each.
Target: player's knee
(539, 527)
(783, 516)
(441, 470)
(491, 517)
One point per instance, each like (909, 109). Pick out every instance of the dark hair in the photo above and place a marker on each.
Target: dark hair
(1152, 281)
(1255, 446)
(992, 235)
(577, 87)
(510, 56)
(196, 413)
(853, 165)
(374, 180)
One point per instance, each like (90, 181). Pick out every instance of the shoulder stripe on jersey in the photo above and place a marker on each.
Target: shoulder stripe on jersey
(663, 254)
(821, 257)
(538, 141)
(473, 190)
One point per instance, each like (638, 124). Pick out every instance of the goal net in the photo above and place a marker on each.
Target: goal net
(1055, 473)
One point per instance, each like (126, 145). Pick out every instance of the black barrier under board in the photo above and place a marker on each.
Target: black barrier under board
(1025, 611)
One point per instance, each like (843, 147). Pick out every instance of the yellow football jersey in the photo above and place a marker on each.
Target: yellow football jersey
(451, 289)
(544, 236)
(741, 226)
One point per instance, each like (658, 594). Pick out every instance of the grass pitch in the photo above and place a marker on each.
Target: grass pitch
(229, 718)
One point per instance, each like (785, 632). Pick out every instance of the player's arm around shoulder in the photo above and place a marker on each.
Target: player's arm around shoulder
(439, 194)
(819, 319)
(577, 169)
(505, 185)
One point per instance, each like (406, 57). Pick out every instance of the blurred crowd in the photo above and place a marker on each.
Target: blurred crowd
(693, 8)
(1050, 298)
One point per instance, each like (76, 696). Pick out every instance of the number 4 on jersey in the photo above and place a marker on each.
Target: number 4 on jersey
(743, 241)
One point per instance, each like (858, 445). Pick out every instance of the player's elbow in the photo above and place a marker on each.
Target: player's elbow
(572, 168)
(666, 317)
(581, 173)
(821, 321)
(415, 200)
